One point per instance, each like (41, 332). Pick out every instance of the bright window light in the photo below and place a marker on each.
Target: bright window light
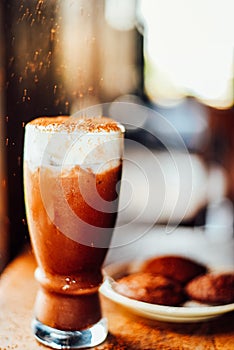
(189, 49)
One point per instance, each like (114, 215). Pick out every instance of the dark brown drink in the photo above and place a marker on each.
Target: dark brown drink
(71, 204)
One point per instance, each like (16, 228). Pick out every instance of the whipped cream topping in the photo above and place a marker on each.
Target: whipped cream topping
(96, 143)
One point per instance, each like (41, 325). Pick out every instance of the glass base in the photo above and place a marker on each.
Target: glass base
(58, 339)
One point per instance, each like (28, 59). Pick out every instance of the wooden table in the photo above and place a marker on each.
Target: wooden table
(126, 331)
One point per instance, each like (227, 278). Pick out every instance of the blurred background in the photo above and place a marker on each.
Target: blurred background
(174, 57)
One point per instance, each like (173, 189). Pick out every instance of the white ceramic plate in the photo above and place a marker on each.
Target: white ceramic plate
(192, 312)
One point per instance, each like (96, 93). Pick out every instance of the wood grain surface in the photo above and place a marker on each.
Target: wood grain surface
(126, 331)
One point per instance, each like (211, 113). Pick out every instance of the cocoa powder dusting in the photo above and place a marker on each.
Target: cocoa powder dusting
(69, 124)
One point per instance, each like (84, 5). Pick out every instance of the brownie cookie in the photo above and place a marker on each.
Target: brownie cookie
(151, 288)
(214, 289)
(179, 268)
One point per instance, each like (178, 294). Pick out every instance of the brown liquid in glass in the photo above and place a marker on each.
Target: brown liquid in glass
(70, 262)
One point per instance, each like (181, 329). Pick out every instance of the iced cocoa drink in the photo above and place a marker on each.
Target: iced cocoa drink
(72, 171)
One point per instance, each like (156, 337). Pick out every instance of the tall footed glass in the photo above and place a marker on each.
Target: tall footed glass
(72, 170)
